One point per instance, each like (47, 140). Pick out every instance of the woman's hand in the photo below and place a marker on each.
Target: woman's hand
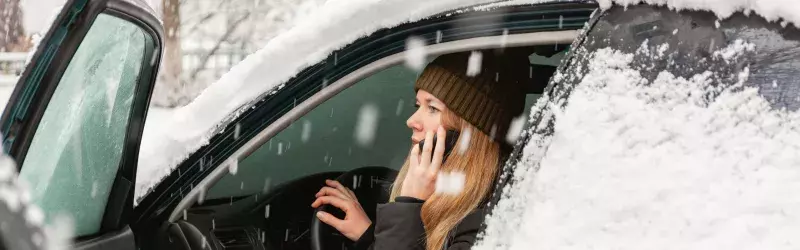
(420, 181)
(355, 221)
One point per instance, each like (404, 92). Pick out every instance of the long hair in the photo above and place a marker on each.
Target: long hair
(479, 163)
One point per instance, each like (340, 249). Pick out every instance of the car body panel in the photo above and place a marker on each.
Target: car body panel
(39, 82)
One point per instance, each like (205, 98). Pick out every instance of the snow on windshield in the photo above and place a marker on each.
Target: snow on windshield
(668, 163)
(785, 11)
(336, 24)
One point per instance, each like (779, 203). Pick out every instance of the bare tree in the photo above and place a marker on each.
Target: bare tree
(12, 34)
(170, 82)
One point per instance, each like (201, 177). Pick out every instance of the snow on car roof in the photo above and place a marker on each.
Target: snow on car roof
(785, 11)
(336, 24)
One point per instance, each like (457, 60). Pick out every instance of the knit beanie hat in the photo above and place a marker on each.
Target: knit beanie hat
(489, 99)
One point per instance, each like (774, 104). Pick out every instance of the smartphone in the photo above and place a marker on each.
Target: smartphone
(451, 137)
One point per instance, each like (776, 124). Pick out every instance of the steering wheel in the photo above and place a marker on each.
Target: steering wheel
(372, 185)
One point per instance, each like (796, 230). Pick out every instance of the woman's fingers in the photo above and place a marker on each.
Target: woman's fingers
(331, 200)
(330, 220)
(332, 192)
(427, 149)
(438, 153)
(341, 188)
(413, 158)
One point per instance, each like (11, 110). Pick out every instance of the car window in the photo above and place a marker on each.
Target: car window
(325, 139)
(76, 150)
(336, 136)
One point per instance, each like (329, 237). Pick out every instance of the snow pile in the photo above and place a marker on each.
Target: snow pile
(333, 26)
(784, 11)
(671, 163)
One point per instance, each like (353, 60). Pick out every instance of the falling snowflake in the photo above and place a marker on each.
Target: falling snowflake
(474, 63)
(367, 125)
(306, 134)
(399, 107)
(450, 183)
(504, 38)
(463, 143)
(515, 129)
(94, 189)
(59, 233)
(415, 53)
(237, 131)
(233, 166)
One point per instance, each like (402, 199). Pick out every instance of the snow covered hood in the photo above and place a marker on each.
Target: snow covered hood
(336, 24)
(651, 150)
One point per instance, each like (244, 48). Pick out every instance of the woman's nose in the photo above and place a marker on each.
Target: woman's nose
(413, 122)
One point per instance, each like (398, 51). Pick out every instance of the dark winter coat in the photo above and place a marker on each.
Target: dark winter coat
(399, 226)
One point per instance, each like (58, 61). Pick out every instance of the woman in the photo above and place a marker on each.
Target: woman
(480, 106)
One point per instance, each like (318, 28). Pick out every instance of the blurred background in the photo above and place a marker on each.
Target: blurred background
(204, 39)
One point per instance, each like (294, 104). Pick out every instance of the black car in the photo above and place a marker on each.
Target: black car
(250, 185)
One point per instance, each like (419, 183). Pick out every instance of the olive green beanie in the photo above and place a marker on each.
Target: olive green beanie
(488, 100)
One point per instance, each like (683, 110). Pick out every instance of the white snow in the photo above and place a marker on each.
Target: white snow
(331, 27)
(655, 165)
(463, 141)
(59, 233)
(474, 63)
(450, 183)
(515, 129)
(736, 49)
(785, 11)
(367, 125)
(34, 215)
(415, 53)
(306, 134)
(399, 107)
(233, 166)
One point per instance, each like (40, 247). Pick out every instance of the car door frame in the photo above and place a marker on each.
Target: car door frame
(156, 207)
(38, 83)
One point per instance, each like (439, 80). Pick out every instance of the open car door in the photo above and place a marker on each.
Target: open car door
(75, 119)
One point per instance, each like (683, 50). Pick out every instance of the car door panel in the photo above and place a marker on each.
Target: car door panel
(122, 239)
(79, 111)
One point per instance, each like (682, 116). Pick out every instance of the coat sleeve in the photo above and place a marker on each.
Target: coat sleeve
(398, 226)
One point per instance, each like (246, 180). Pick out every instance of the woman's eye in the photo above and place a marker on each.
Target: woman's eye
(432, 109)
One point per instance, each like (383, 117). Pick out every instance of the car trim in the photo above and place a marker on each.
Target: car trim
(516, 40)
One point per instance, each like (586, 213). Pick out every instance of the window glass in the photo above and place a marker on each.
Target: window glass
(76, 150)
(325, 139)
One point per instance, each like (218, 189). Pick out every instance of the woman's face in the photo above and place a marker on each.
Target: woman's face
(428, 116)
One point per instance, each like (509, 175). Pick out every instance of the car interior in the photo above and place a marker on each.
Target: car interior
(266, 204)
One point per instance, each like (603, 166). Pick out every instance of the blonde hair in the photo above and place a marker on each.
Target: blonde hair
(479, 162)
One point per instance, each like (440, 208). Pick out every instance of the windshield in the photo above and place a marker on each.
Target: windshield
(664, 130)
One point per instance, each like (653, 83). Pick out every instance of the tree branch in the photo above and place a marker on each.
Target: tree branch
(231, 29)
